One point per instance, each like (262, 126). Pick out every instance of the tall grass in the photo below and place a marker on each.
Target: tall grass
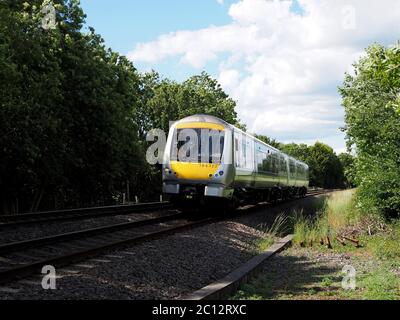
(279, 227)
(339, 210)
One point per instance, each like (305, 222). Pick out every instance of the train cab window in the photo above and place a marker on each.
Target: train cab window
(201, 139)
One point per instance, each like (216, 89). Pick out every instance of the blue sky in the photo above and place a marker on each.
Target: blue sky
(123, 23)
(281, 60)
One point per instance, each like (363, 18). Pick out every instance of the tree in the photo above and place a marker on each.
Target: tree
(203, 94)
(371, 101)
(66, 106)
(348, 163)
(270, 141)
(326, 170)
(164, 101)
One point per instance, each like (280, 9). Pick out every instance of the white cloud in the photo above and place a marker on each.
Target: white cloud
(283, 68)
(221, 2)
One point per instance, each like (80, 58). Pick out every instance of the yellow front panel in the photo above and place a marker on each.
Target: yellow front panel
(194, 171)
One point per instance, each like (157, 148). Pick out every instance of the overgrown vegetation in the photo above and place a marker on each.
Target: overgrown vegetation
(372, 104)
(278, 228)
(366, 242)
(327, 224)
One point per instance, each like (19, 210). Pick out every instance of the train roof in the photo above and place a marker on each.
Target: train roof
(204, 118)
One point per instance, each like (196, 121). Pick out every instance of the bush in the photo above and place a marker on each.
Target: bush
(372, 104)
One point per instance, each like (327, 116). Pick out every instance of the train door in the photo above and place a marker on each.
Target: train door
(244, 159)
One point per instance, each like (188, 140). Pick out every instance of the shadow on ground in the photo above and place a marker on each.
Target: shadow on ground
(288, 276)
(177, 265)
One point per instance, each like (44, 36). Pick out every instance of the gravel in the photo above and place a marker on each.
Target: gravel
(167, 268)
(45, 229)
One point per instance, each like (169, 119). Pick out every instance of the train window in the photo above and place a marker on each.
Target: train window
(282, 166)
(237, 163)
(260, 156)
(277, 164)
(274, 167)
(270, 164)
(302, 172)
(214, 145)
(292, 167)
(244, 153)
(266, 164)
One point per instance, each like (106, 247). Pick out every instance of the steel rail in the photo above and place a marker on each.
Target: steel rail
(62, 260)
(34, 243)
(78, 214)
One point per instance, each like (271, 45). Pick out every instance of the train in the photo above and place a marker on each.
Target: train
(209, 161)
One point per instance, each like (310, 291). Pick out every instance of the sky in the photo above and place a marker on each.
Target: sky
(281, 60)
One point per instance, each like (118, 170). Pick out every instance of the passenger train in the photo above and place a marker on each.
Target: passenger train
(209, 160)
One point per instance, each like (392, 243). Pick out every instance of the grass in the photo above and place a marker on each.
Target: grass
(306, 276)
(338, 212)
(263, 244)
(278, 228)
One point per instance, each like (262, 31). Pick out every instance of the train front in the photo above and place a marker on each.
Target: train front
(198, 161)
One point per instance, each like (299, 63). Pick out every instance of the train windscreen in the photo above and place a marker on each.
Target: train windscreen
(198, 145)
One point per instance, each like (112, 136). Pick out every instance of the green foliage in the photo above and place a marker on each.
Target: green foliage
(74, 114)
(371, 102)
(272, 142)
(348, 163)
(338, 211)
(314, 272)
(386, 246)
(326, 170)
(164, 101)
(66, 106)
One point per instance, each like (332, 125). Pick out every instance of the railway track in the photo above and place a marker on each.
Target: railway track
(24, 258)
(8, 221)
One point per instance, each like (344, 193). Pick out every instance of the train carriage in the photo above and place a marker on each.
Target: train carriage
(207, 159)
